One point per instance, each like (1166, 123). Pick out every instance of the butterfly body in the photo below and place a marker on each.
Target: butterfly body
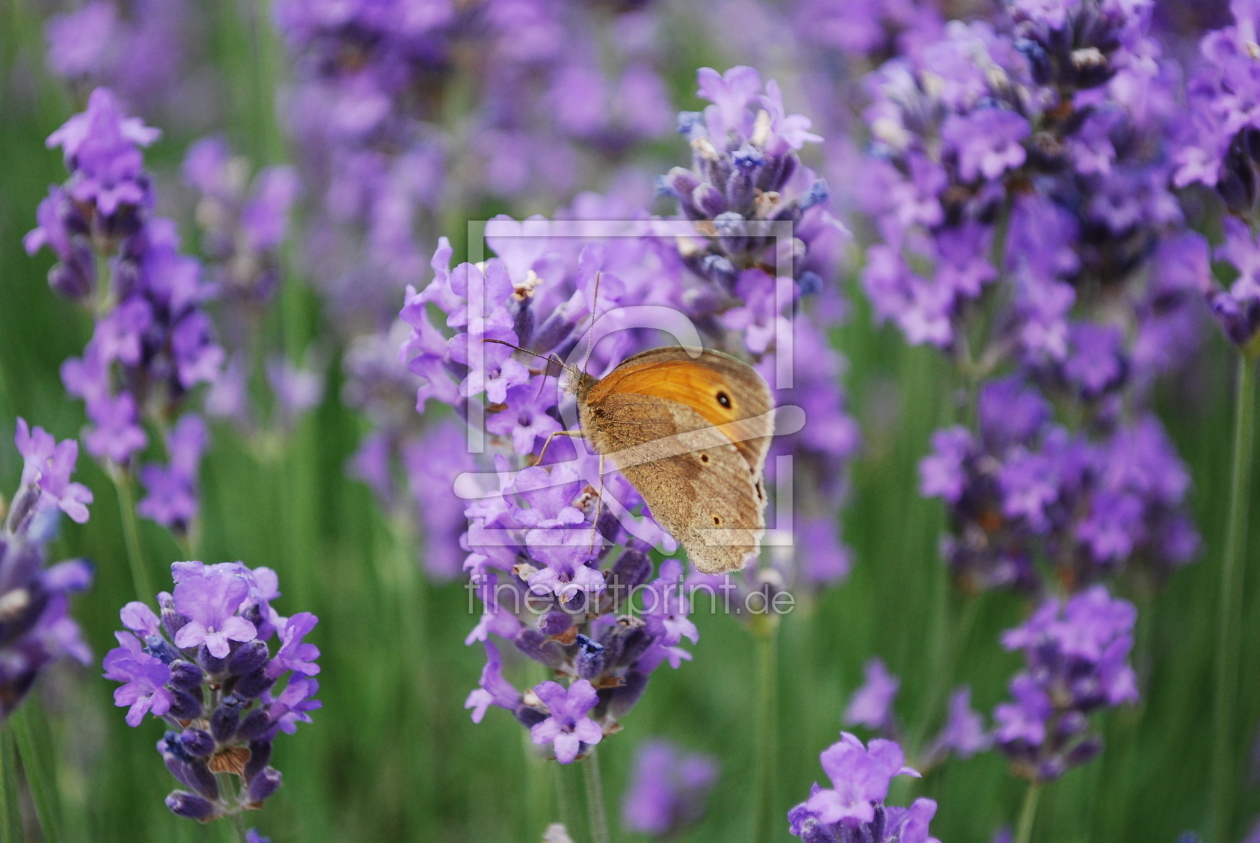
(689, 428)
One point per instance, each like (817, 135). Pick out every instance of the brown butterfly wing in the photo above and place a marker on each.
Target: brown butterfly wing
(703, 488)
(724, 390)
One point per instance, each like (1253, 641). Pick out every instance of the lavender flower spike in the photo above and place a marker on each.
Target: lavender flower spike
(153, 343)
(1077, 655)
(206, 668)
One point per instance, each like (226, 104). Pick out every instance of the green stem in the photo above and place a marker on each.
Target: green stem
(131, 533)
(409, 584)
(1027, 813)
(39, 776)
(10, 820)
(564, 804)
(1224, 778)
(976, 367)
(957, 626)
(539, 799)
(268, 57)
(595, 809)
(765, 631)
(229, 793)
(238, 825)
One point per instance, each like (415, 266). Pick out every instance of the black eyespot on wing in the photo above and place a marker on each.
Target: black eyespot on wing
(724, 400)
(717, 520)
(704, 458)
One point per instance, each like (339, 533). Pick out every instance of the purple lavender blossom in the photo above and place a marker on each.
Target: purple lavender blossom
(668, 790)
(48, 464)
(205, 667)
(172, 490)
(746, 173)
(1077, 657)
(1029, 490)
(854, 805)
(293, 705)
(210, 602)
(494, 689)
(871, 704)
(242, 223)
(1218, 140)
(964, 733)
(37, 628)
(1034, 157)
(142, 53)
(1236, 308)
(860, 777)
(101, 149)
(153, 344)
(988, 142)
(567, 726)
(144, 678)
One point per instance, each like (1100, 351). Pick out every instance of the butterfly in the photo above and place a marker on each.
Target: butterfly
(690, 429)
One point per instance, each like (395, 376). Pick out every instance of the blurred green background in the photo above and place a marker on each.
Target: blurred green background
(393, 755)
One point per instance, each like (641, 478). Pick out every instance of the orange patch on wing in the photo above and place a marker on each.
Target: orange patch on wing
(687, 382)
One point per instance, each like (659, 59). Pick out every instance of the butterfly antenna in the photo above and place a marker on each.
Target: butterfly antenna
(551, 358)
(590, 332)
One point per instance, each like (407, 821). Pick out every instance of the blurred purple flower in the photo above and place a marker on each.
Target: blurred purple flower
(987, 142)
(116, 436)
(37, 623)
(48, 464)
(296, 390)
(79, 43)
(1077, 657)
(941, 473)
(668, 789)
(964, 733)
(172, 490)
(871, 704)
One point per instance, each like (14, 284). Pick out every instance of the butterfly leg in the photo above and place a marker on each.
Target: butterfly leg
(599, 503)
(572, 434)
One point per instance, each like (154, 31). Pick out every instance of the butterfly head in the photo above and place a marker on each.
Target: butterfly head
(580, 385)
